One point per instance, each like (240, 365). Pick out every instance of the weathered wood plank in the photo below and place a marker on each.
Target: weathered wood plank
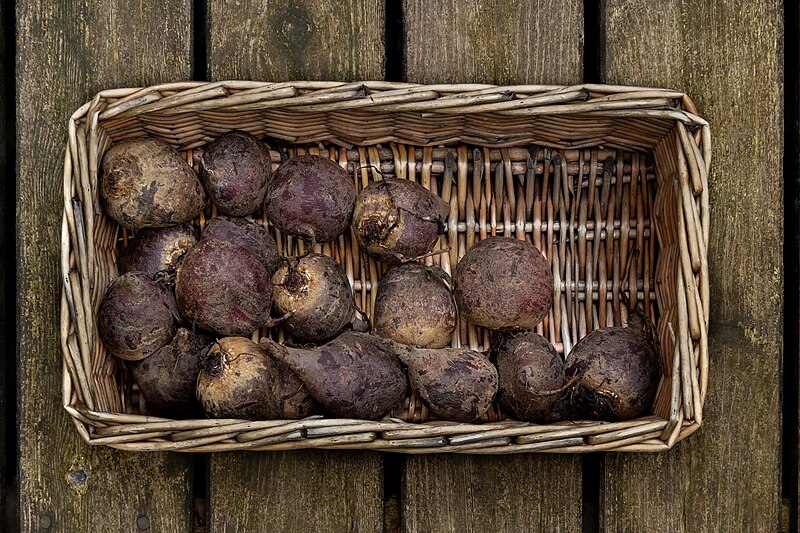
(496, 41)
(792, 260)
(727, 54)
(6, 276)
(791, 431)
(277, 40)
(296, 491)
(67, 51)
(503, 42)
(462, 493)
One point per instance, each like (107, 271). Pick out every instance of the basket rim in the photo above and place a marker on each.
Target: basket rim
(176, 97)
(140, 432)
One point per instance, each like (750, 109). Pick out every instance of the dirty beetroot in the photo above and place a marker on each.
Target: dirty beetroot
(136, 316)
(236, 170)
(168, 377)
(315, 296)
(356, 375)
(239, 380)
(415, 306)
(531, 376)
(455, 383)
(144, 182)
(504, 283)
(398, 220)
(221, 288)
(616, 372)
(310, 197)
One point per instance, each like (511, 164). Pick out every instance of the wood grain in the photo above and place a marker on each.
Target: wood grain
(6, 278)
(501, 42)
(494, 41)
(304, 490)
(727, 55)
(792, 188)
(67, 51)
(463, 493)
(278, 40)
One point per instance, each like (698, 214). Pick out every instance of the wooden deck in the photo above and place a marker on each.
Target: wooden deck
(738, 473)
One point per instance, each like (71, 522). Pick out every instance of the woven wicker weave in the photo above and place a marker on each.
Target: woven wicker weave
(609, 182)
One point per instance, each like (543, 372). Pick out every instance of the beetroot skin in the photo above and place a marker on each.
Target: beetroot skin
(415, 306)
(145, 183)
(531, 377)
(157, 249)
(398, 220)
(137, 316)
(221, 288)
(247, 234)
(310, 197)
(617, 371)
(236, 169)
(239, 380)
(353, 376)
(316, 294)
(504, 283)
(167, 378)
(456, 384)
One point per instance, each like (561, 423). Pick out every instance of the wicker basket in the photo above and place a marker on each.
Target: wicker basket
(609, 182)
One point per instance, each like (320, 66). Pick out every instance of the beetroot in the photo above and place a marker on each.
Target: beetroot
(415, 306)
(353, 376)
(314, 291)
(239, 380)
(221, 288)
(144, 182)
(247, 234)
(168, 378)
(157, 249)
(531, 375)
(616, 372)
(236, 169)
(398, 220)
(504, 283)
(137, 316)
(456, 384)
(310, 197)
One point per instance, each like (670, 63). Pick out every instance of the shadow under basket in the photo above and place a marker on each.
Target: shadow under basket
(610, 183)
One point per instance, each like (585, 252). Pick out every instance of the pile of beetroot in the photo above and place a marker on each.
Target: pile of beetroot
(184, 307)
